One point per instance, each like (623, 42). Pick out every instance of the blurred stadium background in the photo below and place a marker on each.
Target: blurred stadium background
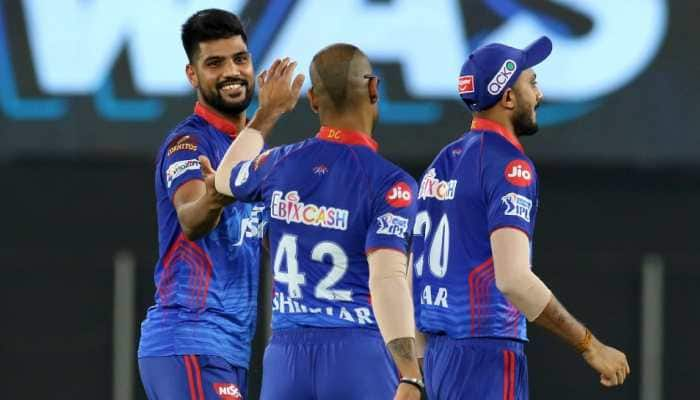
(88, 89)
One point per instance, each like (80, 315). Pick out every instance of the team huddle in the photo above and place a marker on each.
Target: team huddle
(384, 287)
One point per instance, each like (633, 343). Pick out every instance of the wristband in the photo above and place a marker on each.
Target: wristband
(416, 382)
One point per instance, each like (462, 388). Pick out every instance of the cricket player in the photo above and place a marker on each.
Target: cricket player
(339, 226)
(473, 284)
(195, 341)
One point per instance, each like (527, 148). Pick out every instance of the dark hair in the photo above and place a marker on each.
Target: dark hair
(209, 24)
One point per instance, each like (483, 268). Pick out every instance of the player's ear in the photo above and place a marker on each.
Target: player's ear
(313, 101)
(191, 76)
(508, 100)
(373, 89)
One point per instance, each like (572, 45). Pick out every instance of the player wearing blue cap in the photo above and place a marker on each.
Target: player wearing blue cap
(340, 218)
(195, 341)
(473, 284)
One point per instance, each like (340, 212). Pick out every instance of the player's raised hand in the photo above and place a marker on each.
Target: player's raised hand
(609, 362)
(278, 93)
(208, 173)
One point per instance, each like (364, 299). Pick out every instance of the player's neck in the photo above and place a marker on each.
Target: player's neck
(238, 120)
(348, 122)
(499, 118)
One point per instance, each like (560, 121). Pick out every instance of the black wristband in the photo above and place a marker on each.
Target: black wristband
(417, 383)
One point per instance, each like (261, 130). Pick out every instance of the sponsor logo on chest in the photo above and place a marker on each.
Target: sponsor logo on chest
(289, 208)
(431, 187)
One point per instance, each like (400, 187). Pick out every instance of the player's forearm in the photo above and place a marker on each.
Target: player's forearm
(199, 217)
(404, 354)
(247, 145)
(556, 319)
(393, 307)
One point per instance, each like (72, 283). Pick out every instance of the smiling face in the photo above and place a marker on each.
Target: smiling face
(222, 73)
(528, 97)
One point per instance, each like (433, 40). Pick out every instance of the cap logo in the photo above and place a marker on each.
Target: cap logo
(502, 77)
(465, 84)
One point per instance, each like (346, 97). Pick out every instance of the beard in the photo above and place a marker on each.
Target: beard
(524, 123)
(216, 101)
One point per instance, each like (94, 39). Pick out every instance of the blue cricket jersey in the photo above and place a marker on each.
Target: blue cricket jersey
(206, 290)
(477, 184)
(332, 199)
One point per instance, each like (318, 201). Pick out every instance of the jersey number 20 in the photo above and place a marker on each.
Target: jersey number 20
(439, 248)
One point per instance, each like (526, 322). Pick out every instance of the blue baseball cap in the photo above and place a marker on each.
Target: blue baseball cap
(493, 68)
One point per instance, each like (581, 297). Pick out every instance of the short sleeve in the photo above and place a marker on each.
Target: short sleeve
(248, 177)
(180, 162)
(510, 185)
(393, 212)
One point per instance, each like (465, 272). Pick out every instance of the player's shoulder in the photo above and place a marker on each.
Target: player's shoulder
(188, 135)
(496, 147)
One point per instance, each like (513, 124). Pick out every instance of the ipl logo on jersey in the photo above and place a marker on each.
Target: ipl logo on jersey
(517, 205)
(390, 224)
(431, 187)
(289, 208)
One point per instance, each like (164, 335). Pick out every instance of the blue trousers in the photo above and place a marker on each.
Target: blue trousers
(475, 368)
(192, 377)
(328, 364)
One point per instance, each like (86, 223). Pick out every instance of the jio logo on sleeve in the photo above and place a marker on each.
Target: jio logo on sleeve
(399, 195)
(519, 173)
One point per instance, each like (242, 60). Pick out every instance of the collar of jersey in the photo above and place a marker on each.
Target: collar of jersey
(347, 137)
(216, 120)
(483, 124)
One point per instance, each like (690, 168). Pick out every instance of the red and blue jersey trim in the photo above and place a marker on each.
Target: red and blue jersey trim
(347, 137)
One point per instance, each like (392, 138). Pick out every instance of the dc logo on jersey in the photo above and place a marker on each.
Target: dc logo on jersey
(320, 169)
(519, 173)
(465, 84)
(399, 195)
(178, 168)
(431, 187)
(517, 206)
(390, 224)
(227, 391)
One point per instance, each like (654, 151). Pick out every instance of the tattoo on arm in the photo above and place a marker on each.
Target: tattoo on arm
(402, 349)
(559, 321)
